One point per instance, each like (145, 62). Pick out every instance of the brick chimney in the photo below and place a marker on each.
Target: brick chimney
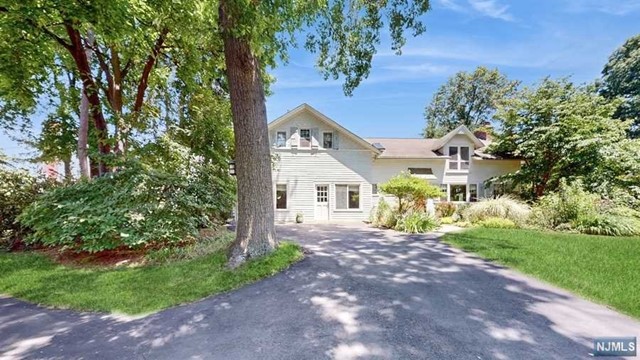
(484, 132)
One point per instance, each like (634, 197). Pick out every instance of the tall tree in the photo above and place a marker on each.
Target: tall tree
(344, 33)
(621, 78)
(560, 131)
(468, 99)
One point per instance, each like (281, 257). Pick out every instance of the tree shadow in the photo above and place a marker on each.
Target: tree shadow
(361, 293)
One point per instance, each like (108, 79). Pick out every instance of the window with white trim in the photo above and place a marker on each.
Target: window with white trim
(305, 138)
(473, 192)
(281, 139)
(459, 157)
(281, 196)
(458, 192)
(347, 197)
(327, 140)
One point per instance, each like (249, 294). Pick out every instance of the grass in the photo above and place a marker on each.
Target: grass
(35, 277)
(601, 268)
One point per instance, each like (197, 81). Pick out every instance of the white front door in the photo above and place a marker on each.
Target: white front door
(322, 203)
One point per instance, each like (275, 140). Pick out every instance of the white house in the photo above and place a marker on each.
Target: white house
(329, 174)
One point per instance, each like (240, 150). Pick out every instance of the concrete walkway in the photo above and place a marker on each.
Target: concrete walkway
(362, 293)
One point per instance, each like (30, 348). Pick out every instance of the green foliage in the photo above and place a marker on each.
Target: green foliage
(468, 99)
(559, 130)
(134, 207)
(566, 206)
(504, 207)
(445, 209)
(137, 290)
(383, 215)
(18, 189)
(202, 246)
(620, 79)
(609, 225)
(409, 190)
(497, 223)
(416, 222)
(447, 220)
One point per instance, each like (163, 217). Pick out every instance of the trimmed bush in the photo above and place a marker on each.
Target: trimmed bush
(497, 223)
(447, 220)
(417, 222)
(132, 208)
(504, 207)
(411, 191)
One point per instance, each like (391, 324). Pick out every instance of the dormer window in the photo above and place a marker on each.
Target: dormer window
(305, 138)
(459, 157)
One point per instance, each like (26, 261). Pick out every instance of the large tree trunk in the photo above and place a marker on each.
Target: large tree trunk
(83, 129)
(255, 233)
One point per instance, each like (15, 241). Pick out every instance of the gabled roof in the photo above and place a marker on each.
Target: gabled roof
(320, 116)
(460, 130)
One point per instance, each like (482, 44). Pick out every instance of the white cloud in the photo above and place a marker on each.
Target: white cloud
(619, 7)
(492, 9)
(489, 8)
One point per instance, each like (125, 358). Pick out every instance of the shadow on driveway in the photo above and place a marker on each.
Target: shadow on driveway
(361, 293)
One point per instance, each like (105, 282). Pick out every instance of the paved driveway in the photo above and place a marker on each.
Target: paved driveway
(362, 293)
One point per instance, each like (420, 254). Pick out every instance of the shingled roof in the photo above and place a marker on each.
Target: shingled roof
(406, 148)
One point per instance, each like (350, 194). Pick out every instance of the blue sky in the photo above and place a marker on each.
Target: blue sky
(527, 40)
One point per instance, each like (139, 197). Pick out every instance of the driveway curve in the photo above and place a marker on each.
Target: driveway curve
(361, 293)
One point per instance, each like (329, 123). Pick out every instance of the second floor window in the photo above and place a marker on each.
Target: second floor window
(305, 138)
(459, 157)
(327, 140)
(281, 139)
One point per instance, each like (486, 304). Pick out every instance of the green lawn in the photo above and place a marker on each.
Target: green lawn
(600, 268)
(34, 277)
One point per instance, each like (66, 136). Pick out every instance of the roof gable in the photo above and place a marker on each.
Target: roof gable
(460, 130)
(306, 108)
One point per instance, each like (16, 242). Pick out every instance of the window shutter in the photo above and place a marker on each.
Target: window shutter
(336, 140)
(293, 136)
(315, 137)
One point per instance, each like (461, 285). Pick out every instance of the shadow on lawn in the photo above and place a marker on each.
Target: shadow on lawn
(362, 293)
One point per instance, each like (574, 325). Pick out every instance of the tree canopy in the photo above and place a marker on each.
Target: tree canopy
(468, 99)
(621, 78)
(559, 130)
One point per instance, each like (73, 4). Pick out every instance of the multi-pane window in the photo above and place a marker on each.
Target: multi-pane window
(281, 196)
(322, 193)
(473, 192)
(347, 196)
(305, 138)
(459, 157)
(458, 192)
(443, 189)
(374, 189)
(281, 139)
(327, 140)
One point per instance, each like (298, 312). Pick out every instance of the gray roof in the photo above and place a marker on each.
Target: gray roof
(407, 148)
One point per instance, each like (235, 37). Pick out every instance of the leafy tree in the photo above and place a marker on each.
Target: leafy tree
(468, 99)
(409, 189)
(621, 78)
(343, 33)
(559, 130)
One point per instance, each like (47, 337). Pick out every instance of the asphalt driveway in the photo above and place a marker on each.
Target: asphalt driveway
(362, 293)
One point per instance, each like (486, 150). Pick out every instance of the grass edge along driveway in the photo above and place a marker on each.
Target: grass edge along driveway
(139, 290)
(600, 268)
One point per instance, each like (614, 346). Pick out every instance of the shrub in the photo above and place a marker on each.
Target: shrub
(18, 189)
(605, 224)
(134, 207)
(503, 207)
(447, 220)
(445, 209)
(411, 191)
(203, 246)
(416, 222)
(384, 215)
(497, 223)
(570, 203)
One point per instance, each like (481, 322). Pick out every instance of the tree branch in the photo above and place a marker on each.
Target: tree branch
(144, 78)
